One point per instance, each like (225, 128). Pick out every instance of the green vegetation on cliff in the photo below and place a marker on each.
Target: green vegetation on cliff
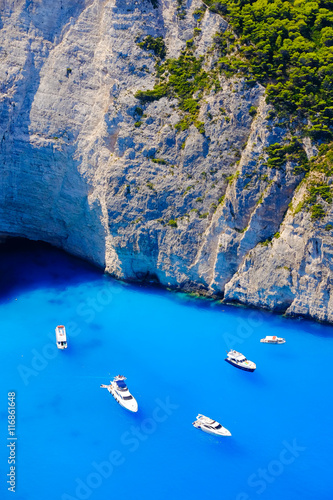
(279, 154)
(287, 46)
(181, 78)
(184, 79)
(319, 189)
(157, 45)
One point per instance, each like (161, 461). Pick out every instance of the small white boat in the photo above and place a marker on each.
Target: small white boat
(119, 390)
(210, 426)
(61, 337)
(237, 359)
(273, 340)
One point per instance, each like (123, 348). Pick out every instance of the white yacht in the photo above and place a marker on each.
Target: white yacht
(210, 426)
(273, 339)
(61, 337)
(237, 359)
(121, 394)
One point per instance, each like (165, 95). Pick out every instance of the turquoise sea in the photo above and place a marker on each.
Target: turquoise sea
(75, 442)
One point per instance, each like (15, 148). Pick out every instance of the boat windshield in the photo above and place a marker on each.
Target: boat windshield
(237, 356)
(127, 397)
(121, 385)
(218, 426)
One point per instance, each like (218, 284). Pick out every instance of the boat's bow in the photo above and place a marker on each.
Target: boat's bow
(131, 405)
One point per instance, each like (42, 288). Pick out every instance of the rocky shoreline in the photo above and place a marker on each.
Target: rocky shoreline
(197, 209)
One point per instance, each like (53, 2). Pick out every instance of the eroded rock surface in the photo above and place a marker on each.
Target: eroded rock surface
(77, 169)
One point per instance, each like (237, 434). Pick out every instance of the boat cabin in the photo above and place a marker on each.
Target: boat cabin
(61, 337)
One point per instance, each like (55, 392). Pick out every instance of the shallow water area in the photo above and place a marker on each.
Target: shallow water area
(75, 442)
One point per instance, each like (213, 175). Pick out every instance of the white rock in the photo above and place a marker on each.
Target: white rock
(78, 173)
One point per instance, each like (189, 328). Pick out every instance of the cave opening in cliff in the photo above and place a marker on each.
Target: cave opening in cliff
(26, 264)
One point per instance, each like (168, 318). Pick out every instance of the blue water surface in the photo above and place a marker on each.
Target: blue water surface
(75, 442)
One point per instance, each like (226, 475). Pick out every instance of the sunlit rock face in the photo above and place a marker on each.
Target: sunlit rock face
(77, 169)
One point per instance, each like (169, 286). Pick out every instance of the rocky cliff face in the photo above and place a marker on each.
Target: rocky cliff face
(193, 209)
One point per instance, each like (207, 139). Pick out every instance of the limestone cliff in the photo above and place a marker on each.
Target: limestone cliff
(87, 167)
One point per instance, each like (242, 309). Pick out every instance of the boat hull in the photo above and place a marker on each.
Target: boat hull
(244, 368)
(212, 433)
(272, 342)
(133, 406)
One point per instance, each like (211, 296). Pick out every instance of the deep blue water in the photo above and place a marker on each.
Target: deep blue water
(70, 432)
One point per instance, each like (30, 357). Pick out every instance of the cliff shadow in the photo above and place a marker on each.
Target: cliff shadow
(28, 265)
(43, 195)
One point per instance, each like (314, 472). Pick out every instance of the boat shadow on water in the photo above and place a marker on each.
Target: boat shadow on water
(254, 379)
(227, 446)
(77, 348)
